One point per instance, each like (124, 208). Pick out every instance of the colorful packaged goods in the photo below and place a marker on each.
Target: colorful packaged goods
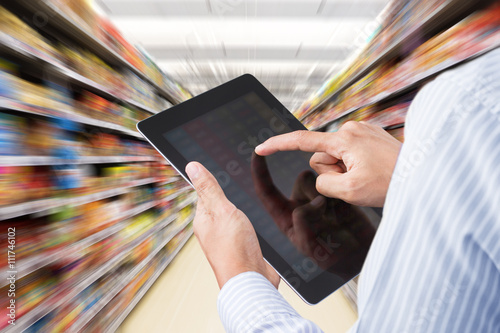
(86, 197)
(477, 33)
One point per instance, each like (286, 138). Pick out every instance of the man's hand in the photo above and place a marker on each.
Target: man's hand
(226, 236)
(354, 164)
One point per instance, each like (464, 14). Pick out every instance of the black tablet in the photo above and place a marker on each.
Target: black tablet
(316, 244)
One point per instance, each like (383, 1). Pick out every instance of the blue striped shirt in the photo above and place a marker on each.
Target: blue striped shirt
(434, 265)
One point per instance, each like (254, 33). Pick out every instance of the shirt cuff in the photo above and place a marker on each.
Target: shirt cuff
(248, 301)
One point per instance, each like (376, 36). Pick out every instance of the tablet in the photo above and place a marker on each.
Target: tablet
(316, 244)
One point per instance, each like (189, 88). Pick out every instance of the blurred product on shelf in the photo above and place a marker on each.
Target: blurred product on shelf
(472, 36)
(118, 304)
(11, 134)
(79, 310)
(72, 224)
(30, 291)
(392, 116)
(83, 15)
(21, 33)
(52, 96)
(61, 235)
(124, 84)
(167, 173)
(94, 207)
(26, 183)
(400, 18)
(48, 95)
(387, 117)
(19, 184)
(113, 313)
(60, 138)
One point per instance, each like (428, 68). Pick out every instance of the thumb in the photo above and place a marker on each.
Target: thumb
(206, 185)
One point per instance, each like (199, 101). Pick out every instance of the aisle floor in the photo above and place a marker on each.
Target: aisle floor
(184, 297)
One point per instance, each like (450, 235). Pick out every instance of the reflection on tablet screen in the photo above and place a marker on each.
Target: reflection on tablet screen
(310, 232)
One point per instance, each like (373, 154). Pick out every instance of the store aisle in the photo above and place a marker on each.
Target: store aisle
(184, 300)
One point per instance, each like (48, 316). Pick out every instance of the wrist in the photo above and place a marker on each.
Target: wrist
(227, 273)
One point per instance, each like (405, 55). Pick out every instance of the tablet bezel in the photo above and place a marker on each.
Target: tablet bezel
(153, 128)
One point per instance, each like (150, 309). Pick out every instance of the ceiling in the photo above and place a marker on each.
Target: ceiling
(291, 46)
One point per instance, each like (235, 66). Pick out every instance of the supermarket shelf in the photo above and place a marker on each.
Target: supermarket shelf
(182, 190)
(80, 323)
(45, 205)
(25, 160)
(436, 20)
(387, 128)
(100, 89)
(13, 105)
(417, 80)
(13, 46)
(60, 298)
(66, 23)
(29, 265)
(170, 180)
(118, 321)
(167, 210)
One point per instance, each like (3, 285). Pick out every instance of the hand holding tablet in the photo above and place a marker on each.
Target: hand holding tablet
(315, 250)
(230, 250)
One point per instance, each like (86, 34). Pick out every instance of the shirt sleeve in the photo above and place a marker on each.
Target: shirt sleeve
(250, 303)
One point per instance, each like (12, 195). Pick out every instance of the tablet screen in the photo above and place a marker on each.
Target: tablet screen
(311, 233)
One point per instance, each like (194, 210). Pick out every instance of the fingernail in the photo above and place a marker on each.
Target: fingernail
(259, 147)
(192, 170)
(318, 201)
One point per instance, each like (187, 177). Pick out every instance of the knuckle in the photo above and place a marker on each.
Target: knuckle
(350, 129)
(351, 125)
(298, 135)
(351, 189)
(346, 136)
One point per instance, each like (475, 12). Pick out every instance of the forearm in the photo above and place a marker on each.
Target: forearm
(250, 303)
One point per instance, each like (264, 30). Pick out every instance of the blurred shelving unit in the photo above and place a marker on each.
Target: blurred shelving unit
(9, 44)
(416, 41)
(98, 214)
(8, 104)
(61, 20)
